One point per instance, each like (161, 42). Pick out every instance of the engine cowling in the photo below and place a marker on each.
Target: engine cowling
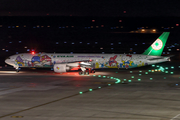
(59, 68)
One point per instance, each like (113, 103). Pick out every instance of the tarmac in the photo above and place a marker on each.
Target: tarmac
(143, 93)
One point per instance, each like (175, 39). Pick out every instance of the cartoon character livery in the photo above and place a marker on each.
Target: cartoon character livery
(86, 62)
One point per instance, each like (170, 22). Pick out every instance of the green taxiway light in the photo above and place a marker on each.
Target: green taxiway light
(99, 75)
(140, 74)
(90, 89)
(124, 79)
(130, 71)
(109, 84)
(94, 75)
(111, 77)
(107, 76)
(129, 80)
(151, 78)
(164, 77)
(116, 72)
(172, 72)
(80, 92)
(152, 70)
(179, 66)
(118, 81)
(157, 66)
(166, 68)
(172, 67)
(99, 87)
(149, 70)
(139, 79)
(153, 65)
(140, 71)
(146, 73)
(161, 69)
(166, 71)
(132, 76)
(104, 76)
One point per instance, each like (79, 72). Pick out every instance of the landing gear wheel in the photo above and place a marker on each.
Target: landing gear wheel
(93, 71)
(81, 73)
(17, 70)
(87, 72)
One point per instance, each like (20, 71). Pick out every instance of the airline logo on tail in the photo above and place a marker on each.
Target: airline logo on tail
(157, 47)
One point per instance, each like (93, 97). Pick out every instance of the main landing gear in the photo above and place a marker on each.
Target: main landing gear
(86, 72)
(17, 69)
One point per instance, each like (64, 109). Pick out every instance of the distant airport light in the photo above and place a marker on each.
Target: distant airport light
(101, 48)
(96, 42)
(97, 26)
(124, 11)
(17, 26)
(88, 43)
(42, 26)
(28, 49)
(112, 48)
(65, 42)
(146, 73)
(0, 25)
(19, 41)
(48, 26)
(93, 20)
(80, 42)
(17, 53)
(177, 24)
(121, 26)
(6, 50)
(24, 26)
(177, 49)
(143, 30)
(102, 52)
(140, 74)
(3, 49)
(102, 25)
(153, 65)
(119, 42)
(120, 20)
(140, 71)
(154, 30)
(72, 26)
(92, 27)
(131, 71)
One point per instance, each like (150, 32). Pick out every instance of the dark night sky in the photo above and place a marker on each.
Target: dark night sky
(133, 8)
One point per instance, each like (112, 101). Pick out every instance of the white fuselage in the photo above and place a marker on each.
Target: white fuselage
(96, 60)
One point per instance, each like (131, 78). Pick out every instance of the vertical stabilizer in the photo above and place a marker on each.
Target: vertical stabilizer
(157, 47)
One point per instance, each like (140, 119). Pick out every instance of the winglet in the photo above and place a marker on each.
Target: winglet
(157, 47)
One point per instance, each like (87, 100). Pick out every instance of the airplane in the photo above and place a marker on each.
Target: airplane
(63, 62)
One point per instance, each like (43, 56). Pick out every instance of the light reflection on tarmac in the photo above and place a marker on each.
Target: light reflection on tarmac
(43, 94)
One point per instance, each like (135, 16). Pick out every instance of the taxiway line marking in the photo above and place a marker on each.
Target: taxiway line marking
(175, 117)
(39, 105)
(48, 102)
(9, 89)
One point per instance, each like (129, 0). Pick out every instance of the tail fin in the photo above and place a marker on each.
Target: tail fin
(157, 47)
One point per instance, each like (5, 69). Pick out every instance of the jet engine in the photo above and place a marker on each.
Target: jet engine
(60, 68)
